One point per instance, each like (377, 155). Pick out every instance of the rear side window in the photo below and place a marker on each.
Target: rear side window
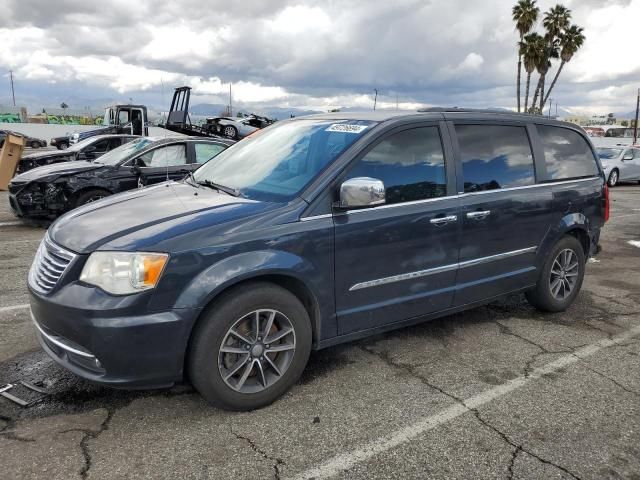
(566, 153)
(101, 145)
(169, 156)
(494, 157)
(206, 151)
(410, 164)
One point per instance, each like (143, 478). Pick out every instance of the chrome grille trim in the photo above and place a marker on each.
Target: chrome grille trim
(59, 341)
(49, 264)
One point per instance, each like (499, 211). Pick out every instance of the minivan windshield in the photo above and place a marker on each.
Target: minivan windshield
(608, 153)
(123, 152)
(276, 163)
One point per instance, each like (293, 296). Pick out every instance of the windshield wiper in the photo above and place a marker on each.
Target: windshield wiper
(191, 180)
(234, 192)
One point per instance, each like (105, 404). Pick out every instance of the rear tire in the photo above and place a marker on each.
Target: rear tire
(561, 277)
(210, 367)
(90, 196)
(35, 145)
(614, 177)
(63, 145)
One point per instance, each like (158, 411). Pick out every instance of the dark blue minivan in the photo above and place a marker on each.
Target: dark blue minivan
(312, 232)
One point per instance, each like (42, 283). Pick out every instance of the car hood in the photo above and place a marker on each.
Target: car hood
(55, 153)
(63, 168)
(125, 221)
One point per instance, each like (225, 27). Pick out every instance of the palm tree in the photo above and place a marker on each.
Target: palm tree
(530, 49)
(525, 14)
(570, 42)
(555, 21)
(543, 64)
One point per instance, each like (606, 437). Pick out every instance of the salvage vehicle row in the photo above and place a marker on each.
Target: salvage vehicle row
(88, 149)
(48, 191)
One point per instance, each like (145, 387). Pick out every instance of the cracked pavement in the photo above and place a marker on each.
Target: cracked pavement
(578, 419)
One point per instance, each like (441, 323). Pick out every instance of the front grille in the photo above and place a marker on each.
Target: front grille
(50, 263)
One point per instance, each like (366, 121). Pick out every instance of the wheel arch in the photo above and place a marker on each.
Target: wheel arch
(76, 193)
(288, 282)
(574, 224)
(283, 269)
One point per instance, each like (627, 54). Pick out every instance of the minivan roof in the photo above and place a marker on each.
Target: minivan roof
(448, 113)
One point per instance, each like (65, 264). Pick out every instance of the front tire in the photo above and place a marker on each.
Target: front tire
(35, 145)
(250, 348)
(561, 277)
(90, 196)
(614, 176)
(63, 146)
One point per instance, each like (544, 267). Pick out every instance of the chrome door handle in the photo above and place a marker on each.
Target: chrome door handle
(479, 215)
(443, 220)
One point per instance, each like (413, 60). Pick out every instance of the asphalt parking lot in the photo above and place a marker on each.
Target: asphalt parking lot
(501, 391)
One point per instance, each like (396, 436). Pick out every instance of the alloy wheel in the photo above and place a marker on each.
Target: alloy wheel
(613, 178)
(564, 274)
(257, 351)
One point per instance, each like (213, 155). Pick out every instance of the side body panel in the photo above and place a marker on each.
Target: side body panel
(501, 228)
(393, 263)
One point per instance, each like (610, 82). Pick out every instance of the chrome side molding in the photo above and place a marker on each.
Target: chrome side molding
(459, 195)
(445, 268)
(403, 276)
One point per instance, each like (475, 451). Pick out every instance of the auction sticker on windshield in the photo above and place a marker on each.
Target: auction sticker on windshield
(346, 128)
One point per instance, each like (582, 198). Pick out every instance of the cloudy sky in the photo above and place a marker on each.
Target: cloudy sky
(306, 54)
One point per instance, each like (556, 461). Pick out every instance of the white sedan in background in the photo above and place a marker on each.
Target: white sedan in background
(620, 163)
(236, 128)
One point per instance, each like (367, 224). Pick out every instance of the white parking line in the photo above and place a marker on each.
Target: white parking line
(11, 224)
(634, 243)
(339, 463)
(14, 307)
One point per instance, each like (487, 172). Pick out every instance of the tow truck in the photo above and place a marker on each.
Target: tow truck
(122, 119)
(179, 121)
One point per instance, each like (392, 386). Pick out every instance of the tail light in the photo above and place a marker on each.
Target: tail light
(606, 202)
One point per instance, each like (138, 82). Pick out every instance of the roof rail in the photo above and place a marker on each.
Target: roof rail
(471, 110)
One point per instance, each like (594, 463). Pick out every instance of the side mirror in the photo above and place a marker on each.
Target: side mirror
(361, 192)
(627, 156)
(135, 166)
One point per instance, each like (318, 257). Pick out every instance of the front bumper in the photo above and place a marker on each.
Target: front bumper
(118, 347)
(37, 200)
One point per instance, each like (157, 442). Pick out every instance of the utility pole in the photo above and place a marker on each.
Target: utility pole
(635, 125)
(550, 106)
(375, 100)
(230, 107)
(13, 93)
(397, 102)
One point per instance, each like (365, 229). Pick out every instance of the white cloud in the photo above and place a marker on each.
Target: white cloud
(309, 53)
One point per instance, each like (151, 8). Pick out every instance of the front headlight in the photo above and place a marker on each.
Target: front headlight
(124, 272)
